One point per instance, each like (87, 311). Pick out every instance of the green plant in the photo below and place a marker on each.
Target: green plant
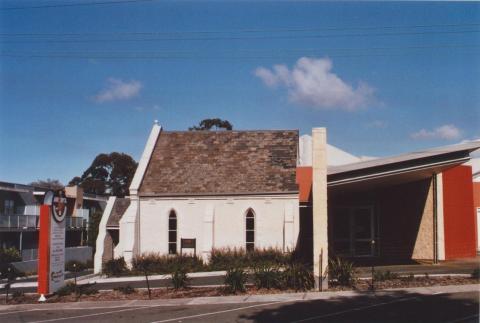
(17, 294)
(115, 267)
(410, 277)
(67, 289)
(475, 274)
(343, 271)
(298, 276)
(162, 264)
(125, 289)
(75, 266)
(384, 275)
(7, 256)
(268, 277)
(86, 289)
(179, 278)
(235, 279)
(10, 255)
(222, 259)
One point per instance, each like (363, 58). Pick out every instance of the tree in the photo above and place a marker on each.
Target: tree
(53, 184)
(108, 174)
(208, 124)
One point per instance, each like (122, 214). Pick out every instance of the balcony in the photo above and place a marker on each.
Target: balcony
(31, 222)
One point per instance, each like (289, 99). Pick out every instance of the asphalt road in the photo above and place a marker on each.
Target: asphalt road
(394, 307)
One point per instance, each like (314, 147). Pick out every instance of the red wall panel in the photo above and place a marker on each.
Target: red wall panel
(458, 212)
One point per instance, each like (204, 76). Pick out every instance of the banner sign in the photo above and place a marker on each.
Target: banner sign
(51, 246)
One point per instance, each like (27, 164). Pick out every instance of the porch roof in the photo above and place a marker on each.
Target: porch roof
(402, 168)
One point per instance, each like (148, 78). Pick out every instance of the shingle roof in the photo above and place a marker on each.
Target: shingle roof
(119, 207)
(222, 162)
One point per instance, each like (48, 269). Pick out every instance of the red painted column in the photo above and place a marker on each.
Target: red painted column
(458, 212)
(44, 250)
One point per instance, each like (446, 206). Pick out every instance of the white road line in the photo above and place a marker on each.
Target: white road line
(221, 312)
(20, 311)
(90, 315)
(353, 310)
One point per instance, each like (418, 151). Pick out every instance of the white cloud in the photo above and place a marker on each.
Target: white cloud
(117, 90)
(311, 82)
(445, 132)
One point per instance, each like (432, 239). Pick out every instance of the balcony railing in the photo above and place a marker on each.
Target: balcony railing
(25, 222)
(18, 221)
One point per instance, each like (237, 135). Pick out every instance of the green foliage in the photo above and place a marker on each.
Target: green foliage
(17, 294)
(179, 278)
(342, 270)
(384, 275)
(53, 184)
(115, 267)
(109, 174)
(475, 274)
(235, 279)
(125, 289)
(75, 266)
(67, 289)
(268, 277)
(87, 289)
(10, 255)
(222, 259)
(208, 124)
(93, 225)
(298, 276)
(155, 263)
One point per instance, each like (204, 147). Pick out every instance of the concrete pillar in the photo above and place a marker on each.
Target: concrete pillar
(320, 210)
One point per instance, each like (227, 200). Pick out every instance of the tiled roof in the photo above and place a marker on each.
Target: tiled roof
(119, 207)
(222, 162)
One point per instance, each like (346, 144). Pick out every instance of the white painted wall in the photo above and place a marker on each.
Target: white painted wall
(218, 222)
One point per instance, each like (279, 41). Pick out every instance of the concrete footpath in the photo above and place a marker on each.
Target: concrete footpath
(239, 299)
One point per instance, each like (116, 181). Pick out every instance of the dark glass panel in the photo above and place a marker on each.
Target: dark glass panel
(250, 223)
(172, 236)
(250, 236)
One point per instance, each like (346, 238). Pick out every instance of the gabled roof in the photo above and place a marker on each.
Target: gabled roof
(221, 163)
(119, 207)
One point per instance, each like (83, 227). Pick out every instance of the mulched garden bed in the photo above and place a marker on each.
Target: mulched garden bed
(169, 293)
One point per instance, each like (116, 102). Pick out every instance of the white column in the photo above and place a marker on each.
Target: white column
(208, 232)
(320, 210)
(440, 223)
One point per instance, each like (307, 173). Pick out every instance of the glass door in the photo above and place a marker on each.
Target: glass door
(363, 225)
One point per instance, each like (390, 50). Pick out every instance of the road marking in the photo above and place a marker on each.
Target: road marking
(353, 310)
(463, 318)
(19, 311)
(90, 315)
(221, 312)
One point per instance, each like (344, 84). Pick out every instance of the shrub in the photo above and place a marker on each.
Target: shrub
(222, 259)
(162, 264)
(384, 275)
(342, 270)
(68, 289)
(475, 274)
(8, 256)
(115, 267)
(235, 279)
(87, 289)
(298, 276)
(125, 289)
(179, 278)
(74, 265)
(17, 294)
(268, 277)
(10, 272)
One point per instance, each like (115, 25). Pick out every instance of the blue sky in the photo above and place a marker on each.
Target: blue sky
(384, 78)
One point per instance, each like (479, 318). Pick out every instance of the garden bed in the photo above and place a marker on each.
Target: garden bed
(170, 293)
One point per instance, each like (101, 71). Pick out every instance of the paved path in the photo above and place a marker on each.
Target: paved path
(434, 304)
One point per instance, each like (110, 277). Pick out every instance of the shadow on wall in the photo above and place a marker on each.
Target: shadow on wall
(370, 307)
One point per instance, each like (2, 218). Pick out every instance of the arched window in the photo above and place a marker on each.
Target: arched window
(172, 233)
(250, 231)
